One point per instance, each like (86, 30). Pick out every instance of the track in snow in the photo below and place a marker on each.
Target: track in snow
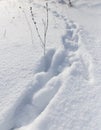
(47, 83)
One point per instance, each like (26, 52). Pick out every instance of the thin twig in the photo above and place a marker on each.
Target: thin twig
(36, 27)
(45, 24)
(46, 29)
(29, 26)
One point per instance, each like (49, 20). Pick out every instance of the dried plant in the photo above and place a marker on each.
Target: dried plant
(43, 39)
(28, 23)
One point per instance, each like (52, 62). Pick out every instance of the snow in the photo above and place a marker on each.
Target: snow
(58, 91)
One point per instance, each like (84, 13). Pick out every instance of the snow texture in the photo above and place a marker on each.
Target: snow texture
(58, 91)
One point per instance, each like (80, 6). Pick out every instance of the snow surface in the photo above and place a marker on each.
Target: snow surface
(60, 91)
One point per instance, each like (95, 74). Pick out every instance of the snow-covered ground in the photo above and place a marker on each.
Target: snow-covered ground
(60, 91)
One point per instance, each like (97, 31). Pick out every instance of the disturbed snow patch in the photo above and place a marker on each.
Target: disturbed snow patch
(64, 63)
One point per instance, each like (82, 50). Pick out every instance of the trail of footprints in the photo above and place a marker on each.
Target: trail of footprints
(47, 82)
